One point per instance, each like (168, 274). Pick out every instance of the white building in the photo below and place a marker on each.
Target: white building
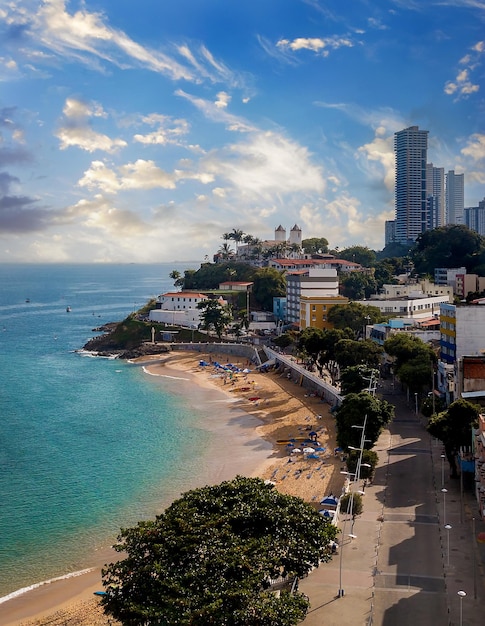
(418, 307)
(415, 290)
(180, 308)
(455, 197)
(312, 283)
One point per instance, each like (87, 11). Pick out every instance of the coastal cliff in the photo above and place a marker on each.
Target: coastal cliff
(128, 339)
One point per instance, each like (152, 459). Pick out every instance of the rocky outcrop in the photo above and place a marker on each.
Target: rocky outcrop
(121, 344)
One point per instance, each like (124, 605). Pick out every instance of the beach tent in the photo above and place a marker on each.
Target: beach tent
(330, 500)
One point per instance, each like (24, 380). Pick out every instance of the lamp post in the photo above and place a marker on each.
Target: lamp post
(416, 401)
(356, 476)
(444, 492)
(448, 527)
(461, 594)
(442, 471)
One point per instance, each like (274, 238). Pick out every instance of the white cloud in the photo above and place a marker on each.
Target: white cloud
(75, 129)
(381, 151)
(217, 113)
(316, 44)
(267, 164)
(223, 100)
(86, 36)
(475, 148)
(462, 85)
(168, 131)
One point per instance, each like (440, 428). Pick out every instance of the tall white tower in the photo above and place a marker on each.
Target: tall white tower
(455, 197)
(435, 192)
(411, 150)
(280, 234)
(295, 235)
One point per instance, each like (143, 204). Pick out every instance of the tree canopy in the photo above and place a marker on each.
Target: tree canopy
(453, 427)
(315, 245)
(353, 315)
(268, 283)
(414, 360)
(209, 557)
(350, 416)
(447, 246)
(357, 285)
(359, 254)
(214, 316)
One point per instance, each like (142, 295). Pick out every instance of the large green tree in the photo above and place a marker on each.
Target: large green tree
(414, 360)
(447, 246)
(315, 245)
(354, 315)
(215, 316)
(359, 254)
(357, 285)
(209, 557)
(268, 283)
(349, 352)
(454, 428)
(350, 418)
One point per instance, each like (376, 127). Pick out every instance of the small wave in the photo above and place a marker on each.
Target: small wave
(95, 355)
(163, 375)
(19, 592)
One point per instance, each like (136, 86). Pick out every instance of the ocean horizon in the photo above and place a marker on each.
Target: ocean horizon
(88, 445)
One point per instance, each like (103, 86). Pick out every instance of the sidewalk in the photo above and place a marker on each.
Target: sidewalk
(375, 589)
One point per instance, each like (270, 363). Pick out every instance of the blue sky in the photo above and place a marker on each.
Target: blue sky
(143, 131)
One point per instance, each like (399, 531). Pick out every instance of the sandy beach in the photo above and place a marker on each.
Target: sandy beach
(283, 410)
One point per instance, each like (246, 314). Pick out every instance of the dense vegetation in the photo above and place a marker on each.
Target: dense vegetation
(209, 559)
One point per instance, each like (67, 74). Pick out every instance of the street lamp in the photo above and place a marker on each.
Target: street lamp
(416, 401)
(442, 471)
(444, 492)
(462, 594)
(448, 527)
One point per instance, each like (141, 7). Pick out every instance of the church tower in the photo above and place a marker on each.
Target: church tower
(295, 235)
(280, 234)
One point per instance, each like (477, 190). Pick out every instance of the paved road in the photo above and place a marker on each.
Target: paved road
(398, 570)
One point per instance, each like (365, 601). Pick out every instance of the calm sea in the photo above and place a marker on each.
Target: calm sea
(87, 445)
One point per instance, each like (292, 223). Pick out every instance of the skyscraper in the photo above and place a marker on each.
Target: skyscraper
(435, 193)
(455, 197)
(411, 150)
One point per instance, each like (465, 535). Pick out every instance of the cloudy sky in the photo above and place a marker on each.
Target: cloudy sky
(143, 131)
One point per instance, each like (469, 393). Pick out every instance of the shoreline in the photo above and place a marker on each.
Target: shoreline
(278, 410)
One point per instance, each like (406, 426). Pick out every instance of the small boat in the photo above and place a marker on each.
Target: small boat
(68, 309)
(27, 299)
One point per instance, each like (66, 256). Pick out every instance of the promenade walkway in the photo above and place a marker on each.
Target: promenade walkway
(402, 567)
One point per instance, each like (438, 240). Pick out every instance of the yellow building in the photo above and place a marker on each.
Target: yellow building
(314, 310)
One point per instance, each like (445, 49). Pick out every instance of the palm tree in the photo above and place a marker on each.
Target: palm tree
(226, 251)
(237, 236)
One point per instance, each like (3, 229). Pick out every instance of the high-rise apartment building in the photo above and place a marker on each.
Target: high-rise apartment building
(411, 150)
(435, 193)
(455, 197)
(474, 217)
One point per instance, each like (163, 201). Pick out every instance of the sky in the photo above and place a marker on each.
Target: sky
(143, 131)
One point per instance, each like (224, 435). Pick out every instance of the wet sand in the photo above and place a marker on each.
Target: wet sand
(282, 410)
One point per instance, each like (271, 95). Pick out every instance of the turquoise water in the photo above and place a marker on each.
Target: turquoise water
(86, 444)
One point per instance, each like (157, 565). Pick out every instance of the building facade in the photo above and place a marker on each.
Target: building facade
(435, 192)
(455, 197)
(474, 217)
(314, 310)
(310, 283)
(411, 150)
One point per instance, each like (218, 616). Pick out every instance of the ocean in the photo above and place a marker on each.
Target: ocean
(87, 445)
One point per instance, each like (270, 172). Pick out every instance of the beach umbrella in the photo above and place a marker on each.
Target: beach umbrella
(290, 445)
(320, 449)
(327, 513)
(308, 450)
(246, 371)
(312, 456)
(296, 451)
(329, 500)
